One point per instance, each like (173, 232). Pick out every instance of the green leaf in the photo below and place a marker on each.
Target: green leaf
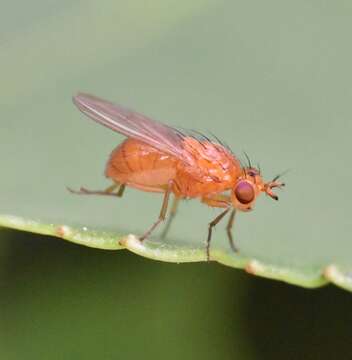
(285, 101)
(158, 250)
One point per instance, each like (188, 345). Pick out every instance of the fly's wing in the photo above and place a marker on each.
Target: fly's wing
(132, 124)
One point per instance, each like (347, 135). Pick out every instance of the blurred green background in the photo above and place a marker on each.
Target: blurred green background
(272, 78)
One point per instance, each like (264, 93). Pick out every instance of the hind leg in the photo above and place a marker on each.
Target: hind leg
(110, 191)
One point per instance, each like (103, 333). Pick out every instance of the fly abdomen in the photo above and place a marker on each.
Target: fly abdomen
(140, 165)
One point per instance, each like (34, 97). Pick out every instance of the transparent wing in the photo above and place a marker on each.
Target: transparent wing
(132, 124)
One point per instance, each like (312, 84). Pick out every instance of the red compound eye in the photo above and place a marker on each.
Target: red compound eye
(244, 192)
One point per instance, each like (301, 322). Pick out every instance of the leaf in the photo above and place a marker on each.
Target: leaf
(158, 250)
(172, 67)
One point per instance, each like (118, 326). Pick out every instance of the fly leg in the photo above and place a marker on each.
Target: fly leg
(210, 229)
(229, 228)
(170, 217)
(162, 214)
(218, 201)
(110, 191)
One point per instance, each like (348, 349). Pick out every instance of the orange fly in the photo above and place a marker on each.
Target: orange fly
(158, 158)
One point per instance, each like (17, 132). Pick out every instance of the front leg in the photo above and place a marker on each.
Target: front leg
(217, 200)
(229, 228)
(210, 230)
(220, 201)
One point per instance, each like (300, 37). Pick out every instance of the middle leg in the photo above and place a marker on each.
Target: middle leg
(162, 214)
(170, 217)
